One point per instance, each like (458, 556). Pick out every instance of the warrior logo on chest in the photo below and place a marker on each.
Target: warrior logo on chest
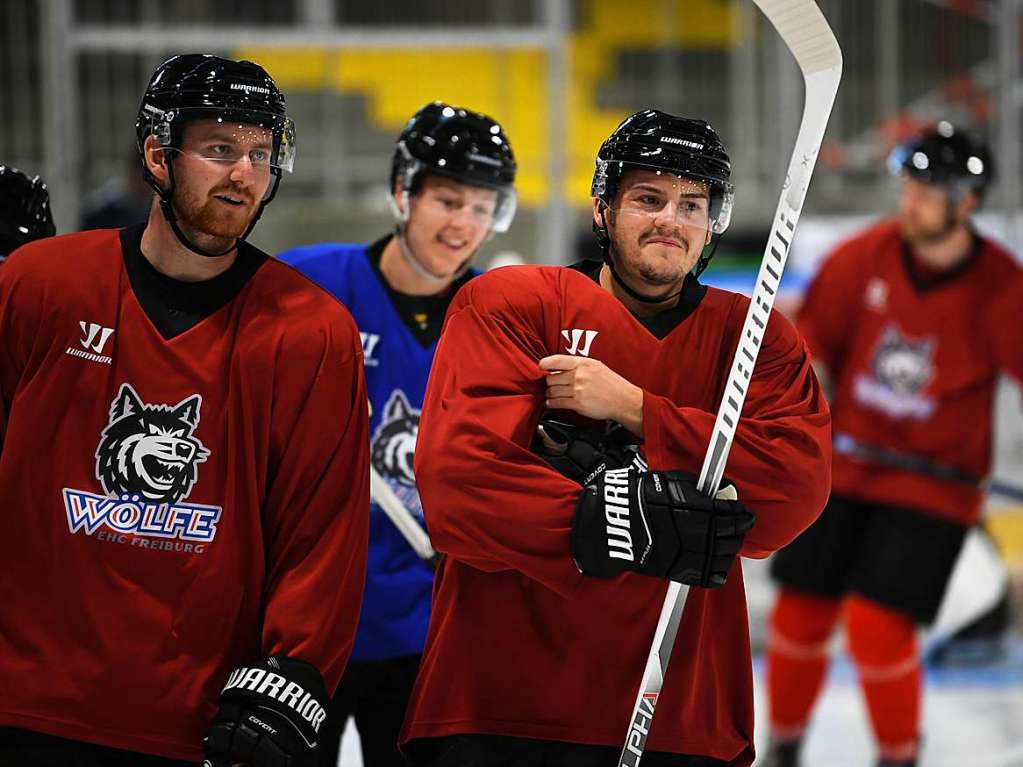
(150, 449)
(901, 369)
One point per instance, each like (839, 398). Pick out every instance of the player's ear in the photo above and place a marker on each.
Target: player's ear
(400, 198)
(155, 157)
(601, 213)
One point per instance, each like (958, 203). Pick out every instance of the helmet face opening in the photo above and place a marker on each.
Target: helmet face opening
(467, 147)
(706, 201)
(240, 131)
(412, 174)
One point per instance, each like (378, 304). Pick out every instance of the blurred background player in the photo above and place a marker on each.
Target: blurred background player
(24, 210)
(122, 200)
(185, 439)
(548, 592)
(911, 322)
(451, 189)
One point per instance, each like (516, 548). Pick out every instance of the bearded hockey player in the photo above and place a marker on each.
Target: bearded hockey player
(557, 552)
(450, 189)
(24, 210)
(912, 321)
(184, 472)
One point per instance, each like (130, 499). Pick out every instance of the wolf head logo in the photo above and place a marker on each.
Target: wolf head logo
(904, 366)
(394, 442)
(149, 449)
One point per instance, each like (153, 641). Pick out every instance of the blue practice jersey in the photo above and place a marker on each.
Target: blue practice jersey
(396, 606)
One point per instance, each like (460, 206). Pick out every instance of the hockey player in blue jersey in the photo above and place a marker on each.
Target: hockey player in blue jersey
(451, 187)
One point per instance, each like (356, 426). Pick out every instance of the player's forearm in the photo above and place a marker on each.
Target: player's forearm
(780, 464)
(631, 414)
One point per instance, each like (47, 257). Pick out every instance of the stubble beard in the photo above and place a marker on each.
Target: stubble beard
(203, 218)
(919, 235)
(663, 271)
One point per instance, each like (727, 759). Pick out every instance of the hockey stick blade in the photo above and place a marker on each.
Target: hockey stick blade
(806, 33)
(402, 518)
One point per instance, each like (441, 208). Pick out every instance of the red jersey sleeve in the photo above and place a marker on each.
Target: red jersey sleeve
(490, 502)
(20, 314)
(826, 317)
(1004, 328)
(316, 514)
(780, 460)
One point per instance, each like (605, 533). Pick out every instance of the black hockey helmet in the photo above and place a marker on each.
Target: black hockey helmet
(657, 141)
(466, 146)
(199, 86)
(24, 210)
(946, 156)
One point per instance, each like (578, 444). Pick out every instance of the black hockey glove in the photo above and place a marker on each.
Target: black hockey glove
(581, 454)
(659, 524)
(270, 716)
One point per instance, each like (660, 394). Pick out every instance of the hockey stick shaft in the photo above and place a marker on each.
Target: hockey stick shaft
(807, 34)
(391, 504)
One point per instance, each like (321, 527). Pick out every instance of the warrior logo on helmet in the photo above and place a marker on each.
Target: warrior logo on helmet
(150, 450)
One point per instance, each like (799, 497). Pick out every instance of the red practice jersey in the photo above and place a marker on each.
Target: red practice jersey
(914, 361)
(171, 509)
(520, 643)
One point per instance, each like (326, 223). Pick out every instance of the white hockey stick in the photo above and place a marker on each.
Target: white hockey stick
(402, 518)
(807, 34)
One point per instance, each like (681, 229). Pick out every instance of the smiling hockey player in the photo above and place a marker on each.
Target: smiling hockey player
(548, 592)
(450, 189)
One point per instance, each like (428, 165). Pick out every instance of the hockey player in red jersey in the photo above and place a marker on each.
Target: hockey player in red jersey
(184, 466)
(452, 176)
(24, 210)
(548, 593)
(912, 321)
